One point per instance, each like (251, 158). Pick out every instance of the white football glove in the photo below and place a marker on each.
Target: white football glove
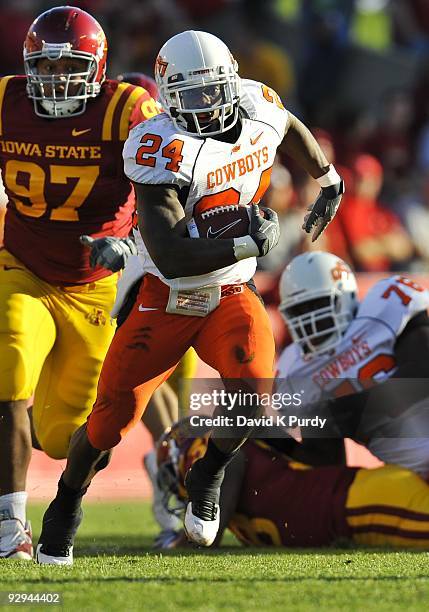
(110, 252)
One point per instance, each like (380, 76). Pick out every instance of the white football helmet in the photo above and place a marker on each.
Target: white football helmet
(318, 300)
(198, 83)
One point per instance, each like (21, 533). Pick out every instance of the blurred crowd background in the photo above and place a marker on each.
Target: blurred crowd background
(355, 71)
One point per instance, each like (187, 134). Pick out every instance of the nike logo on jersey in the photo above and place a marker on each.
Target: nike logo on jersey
(76, 132)
(222, 230)
(253, 141)
(144, 309)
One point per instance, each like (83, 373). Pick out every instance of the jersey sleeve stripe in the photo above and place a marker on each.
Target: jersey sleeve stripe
(392, 530)
(106, 133)
(127, 110)
(3, 84)
(405, 513)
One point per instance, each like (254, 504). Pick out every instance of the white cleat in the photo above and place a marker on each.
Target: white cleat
(45, 559)
(199, 531)
(15, 540)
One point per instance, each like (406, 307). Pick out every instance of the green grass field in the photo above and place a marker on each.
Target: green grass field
(116, 570)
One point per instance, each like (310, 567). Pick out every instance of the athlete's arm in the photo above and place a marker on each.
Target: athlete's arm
(162, 226)
(300, 144)
(413, 344)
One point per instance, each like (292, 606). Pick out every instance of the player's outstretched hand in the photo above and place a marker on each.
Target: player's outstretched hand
(110, 252)
(323, 210)
(264, 230)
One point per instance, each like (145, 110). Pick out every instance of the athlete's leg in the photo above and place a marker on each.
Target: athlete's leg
(34, 441)
(68, 382)
(238, 342)
(140, 358)
(161, 412)
(27, 333)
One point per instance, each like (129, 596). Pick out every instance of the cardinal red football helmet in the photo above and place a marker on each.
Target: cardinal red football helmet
(64, 32)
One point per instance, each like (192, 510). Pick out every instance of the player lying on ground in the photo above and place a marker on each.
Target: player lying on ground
(214, 145)
(268, 498)
(64, 124)
(341, 347)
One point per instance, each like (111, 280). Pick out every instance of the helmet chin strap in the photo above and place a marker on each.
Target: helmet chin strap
(60, 109)
(212, 126)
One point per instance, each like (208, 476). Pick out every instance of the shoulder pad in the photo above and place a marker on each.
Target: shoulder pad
(263, 104)
(155, 153)
(394, 301)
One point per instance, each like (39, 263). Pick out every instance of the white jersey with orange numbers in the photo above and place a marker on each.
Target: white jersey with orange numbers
(366, 353)
(209, 172)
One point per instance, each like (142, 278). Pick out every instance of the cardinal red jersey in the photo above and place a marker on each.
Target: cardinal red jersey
(64, 177)
(283, 503)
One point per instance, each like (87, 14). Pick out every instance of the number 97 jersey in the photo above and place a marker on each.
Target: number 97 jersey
(210, 172)
(64, 177)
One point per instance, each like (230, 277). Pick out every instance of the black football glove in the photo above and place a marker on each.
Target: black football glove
(264, 230)
(110, 252)
(324, 209)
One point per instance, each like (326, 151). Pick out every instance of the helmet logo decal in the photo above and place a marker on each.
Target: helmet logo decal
(339, 269)
(160, 66)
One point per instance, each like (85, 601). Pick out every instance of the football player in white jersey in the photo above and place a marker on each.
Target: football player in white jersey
(214, 145)
(342, 349)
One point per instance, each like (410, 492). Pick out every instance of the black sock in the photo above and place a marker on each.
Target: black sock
(215, 461)
(68, 498)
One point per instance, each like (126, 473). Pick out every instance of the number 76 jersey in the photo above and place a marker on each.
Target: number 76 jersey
(365, 356)
(209, 172)
(365, 352)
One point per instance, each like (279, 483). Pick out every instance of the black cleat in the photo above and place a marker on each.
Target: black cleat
(59, 529)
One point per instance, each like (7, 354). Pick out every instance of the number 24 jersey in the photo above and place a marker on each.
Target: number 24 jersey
(209, 172)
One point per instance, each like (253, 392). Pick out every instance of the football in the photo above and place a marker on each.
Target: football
(219, 222)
